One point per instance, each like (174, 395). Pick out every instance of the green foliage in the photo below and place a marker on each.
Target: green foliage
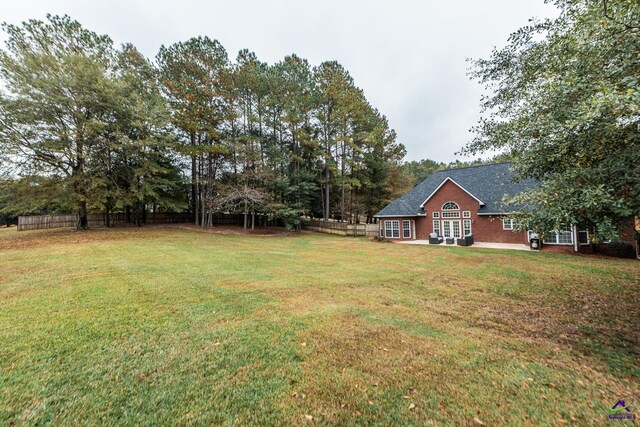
(57, 100)
(119, 133)
(194, 74)
(565, 103)
(421, 169)
(35, 195)
(290, 217)
(84, 122)
(622, 250)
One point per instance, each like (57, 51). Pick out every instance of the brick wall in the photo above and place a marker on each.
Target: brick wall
(489, 229)
(629, 234)
(412, 222)
(483, 228)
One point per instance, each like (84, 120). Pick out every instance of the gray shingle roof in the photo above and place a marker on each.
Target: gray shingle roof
(488, 183)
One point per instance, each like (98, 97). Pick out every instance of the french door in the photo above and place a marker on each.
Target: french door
(451, 228)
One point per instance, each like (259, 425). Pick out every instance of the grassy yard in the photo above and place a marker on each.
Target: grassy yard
(171, 326)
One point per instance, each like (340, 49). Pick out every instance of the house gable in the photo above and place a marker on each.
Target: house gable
(449, 191)
(448, 179)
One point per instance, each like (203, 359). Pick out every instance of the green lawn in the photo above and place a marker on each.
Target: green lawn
(171, 326)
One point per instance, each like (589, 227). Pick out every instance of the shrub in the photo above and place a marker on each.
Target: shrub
(620, 250)
(291, 218)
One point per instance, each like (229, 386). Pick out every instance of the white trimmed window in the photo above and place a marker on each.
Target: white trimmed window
(466, 227)
(583, 237)
(406, 229)
(392, 229)
(466, 214)
(436, 214)
(450, 206)
(507, 224)
(453, 214)
(436, 227)
(563, 237)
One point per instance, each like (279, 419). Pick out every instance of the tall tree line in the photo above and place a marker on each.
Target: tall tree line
(108, 130)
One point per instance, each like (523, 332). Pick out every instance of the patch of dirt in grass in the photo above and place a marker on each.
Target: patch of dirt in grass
(356, 369)
(350, 365)
(589, 324)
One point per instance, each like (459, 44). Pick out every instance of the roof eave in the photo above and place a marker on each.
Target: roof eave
(495, 213)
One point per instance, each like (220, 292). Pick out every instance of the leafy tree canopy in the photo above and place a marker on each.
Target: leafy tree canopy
(564, 101)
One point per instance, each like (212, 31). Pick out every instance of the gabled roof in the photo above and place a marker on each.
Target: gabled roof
(448, 179)
(488, 184)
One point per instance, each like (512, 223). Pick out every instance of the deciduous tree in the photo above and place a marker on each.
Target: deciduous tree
(58, 94)
(564, 100)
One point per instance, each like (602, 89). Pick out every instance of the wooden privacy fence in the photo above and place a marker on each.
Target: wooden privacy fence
(46, 221)
(39, 222)
(343, 228)
(228, 219)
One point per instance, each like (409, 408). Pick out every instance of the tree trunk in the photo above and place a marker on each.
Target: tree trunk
(194, 176)
(194, 190)
(79, 185)
(259, 109)
(327, 189)
(246, 214)
(83, 221)
(327, 136)
(342, 172)
(143, 214)
(107, 216)
(321, 198)
(204, 205)
(327, 193)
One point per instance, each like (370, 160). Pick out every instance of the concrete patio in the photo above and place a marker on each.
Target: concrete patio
(514, 246)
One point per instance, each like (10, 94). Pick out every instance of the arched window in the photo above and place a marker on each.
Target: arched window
(450, 206)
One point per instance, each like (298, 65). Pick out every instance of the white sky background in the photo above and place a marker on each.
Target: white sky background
(408, 56)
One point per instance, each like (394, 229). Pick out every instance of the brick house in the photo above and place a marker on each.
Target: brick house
(467, 201)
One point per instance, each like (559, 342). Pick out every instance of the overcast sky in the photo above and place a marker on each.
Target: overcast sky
(408, 56)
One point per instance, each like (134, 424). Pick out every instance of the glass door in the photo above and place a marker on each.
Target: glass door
(451, 228)
(446, 228)
(456, 229)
